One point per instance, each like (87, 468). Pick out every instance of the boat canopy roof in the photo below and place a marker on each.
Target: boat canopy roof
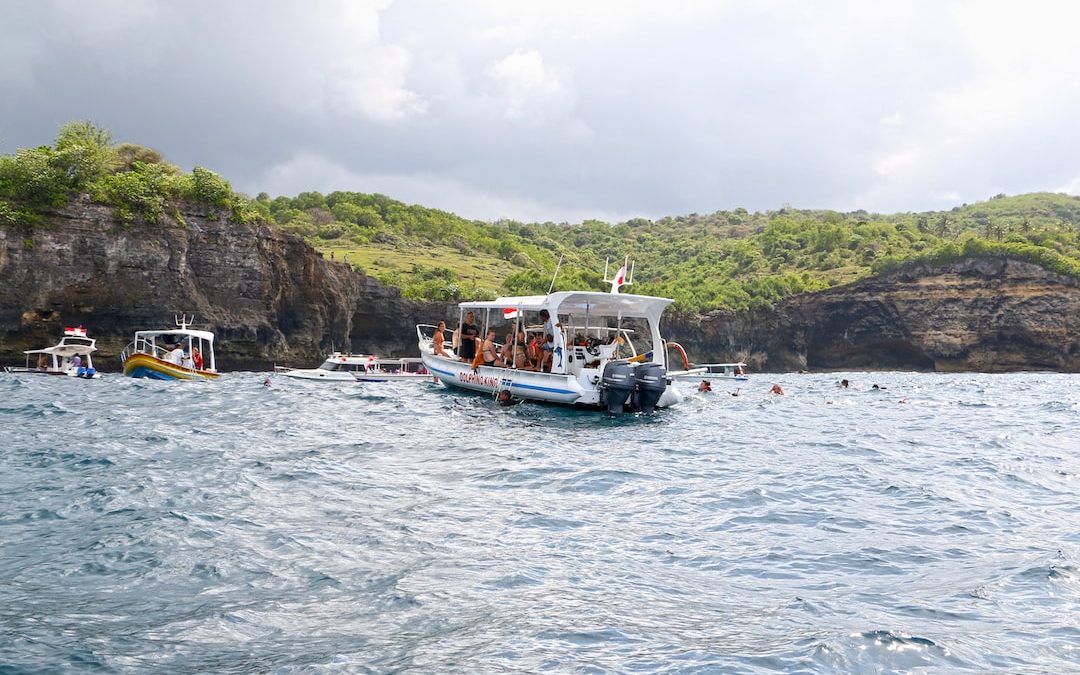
(68, 346)
(182, 332)
(580, 302)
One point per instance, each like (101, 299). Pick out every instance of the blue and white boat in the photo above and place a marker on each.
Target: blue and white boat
(606, 350)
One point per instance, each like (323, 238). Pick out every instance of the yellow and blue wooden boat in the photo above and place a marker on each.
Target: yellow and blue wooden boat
(180, 353)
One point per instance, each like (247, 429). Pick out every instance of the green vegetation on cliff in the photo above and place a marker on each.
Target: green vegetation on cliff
(727, 259)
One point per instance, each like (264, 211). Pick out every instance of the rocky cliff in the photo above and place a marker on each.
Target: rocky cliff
(272, 299)
(982, 314)
(268, 296)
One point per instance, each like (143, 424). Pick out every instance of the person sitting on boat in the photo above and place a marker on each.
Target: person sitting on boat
(546, 353)
(470, 336)
(739, 370)
(490, 354)
(176, 355)
(438, 339)
(43, 362)
(76, 363)
(196, 358)
(518, 352)
(534, 352)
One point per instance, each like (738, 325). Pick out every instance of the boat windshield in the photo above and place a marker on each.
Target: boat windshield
(329, 364)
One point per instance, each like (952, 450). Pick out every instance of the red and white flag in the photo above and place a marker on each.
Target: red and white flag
(619, 279)
(80, 331)
(510, 313)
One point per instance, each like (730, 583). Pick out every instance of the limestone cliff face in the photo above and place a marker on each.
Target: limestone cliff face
(268, 296)
(985, 314)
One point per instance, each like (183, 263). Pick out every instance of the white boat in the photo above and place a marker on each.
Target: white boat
(340, 367)
(72, 356)
(714, 371)
(606, 350)
(180, 353)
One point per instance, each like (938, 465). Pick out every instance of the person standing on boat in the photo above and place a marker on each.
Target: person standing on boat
(176, 355)
(196, 358)
(438, 339)
(470, 336)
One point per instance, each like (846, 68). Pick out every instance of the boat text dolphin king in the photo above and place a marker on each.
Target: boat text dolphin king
(589, 349)
(180, 353)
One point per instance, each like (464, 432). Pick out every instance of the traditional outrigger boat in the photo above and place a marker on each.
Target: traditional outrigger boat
(72, 356)
(340, 367)
(180, 353)
(606, 350)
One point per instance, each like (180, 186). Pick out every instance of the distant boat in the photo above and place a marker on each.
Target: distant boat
(180, 353)
(71, 357)
(715, 371)
(340, 367)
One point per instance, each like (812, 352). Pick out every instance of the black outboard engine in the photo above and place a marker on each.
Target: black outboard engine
(618, 385)
(651, 382)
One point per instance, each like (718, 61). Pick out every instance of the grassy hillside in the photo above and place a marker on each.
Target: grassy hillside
(727, 259)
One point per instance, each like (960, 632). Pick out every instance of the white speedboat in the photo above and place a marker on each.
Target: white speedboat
(714, 371)
(605, 350)
(340, 367)
(72, 356)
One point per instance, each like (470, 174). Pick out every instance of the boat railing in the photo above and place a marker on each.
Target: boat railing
(142, 346)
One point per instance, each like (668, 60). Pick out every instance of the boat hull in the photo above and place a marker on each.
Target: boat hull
(524, 384)
(148, 367)
(318, 375)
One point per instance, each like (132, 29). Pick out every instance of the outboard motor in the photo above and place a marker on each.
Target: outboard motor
(618, 385)
(651, 382)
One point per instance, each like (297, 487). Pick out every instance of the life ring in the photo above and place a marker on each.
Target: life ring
(682, 352)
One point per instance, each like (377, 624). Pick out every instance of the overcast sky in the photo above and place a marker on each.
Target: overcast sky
(553, 110)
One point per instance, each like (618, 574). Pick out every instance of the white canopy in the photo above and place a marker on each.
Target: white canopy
(580, 302)
(182, 332)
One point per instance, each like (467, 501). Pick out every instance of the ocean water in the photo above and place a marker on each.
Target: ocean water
(232, 527)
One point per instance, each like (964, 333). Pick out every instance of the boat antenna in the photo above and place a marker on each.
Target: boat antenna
(183, 321)
(555, 276)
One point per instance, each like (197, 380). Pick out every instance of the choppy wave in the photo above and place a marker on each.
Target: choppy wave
(313, 527)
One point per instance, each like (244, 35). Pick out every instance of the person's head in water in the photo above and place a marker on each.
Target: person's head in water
(705, 386)
(844, 384)
(777, 389)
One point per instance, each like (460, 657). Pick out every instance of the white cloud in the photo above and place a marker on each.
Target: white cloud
(527, 87)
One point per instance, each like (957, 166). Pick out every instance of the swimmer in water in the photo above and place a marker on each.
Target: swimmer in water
(705, 386)
(777, 389)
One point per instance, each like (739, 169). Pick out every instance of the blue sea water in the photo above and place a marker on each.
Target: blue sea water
(232, 527)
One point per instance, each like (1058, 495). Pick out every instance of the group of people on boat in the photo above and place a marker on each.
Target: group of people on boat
(185, 358)
(518, 350)
(524, 350)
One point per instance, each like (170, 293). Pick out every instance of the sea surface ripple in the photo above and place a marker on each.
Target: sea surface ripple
(232, 527)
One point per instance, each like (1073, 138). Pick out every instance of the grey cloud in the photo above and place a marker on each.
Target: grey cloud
(707, 108)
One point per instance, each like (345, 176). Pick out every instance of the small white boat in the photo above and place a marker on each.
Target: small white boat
(340, 367)
(714, 371)
(605, 350)
(71, 357)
